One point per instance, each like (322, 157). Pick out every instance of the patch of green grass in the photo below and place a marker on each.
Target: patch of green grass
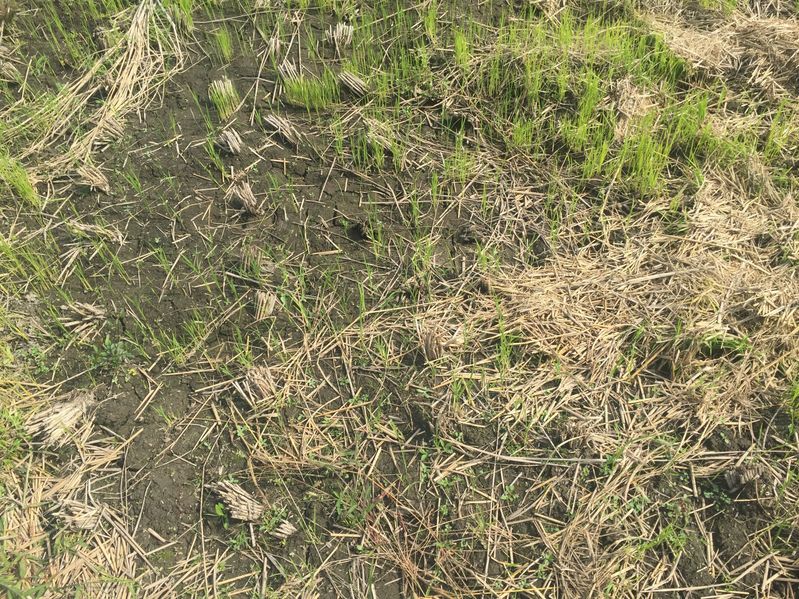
(12, 437)
(223, 45)
(221, 513)
(25, 262)
(14, 177)
(367, 153)
(181, 11)
(272, 518)
(224, 97)
(715, 493)
(312, 93)
(793, 407)
(461, 48)
(352, 504)
(725, 6)
(670, 536)
(783, 133)
(721, 343)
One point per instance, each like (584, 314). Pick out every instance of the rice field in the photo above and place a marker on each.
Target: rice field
(331, 299)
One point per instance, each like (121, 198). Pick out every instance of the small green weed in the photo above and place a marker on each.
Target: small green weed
(111, 355)
(221, 513)
(12, 436)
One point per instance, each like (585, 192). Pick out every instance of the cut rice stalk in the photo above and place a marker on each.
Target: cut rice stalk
(340, 35)
(284, 128)
(76, 514)
(230, 141)
(264, 304)
(288, 71)
(241, 191)
(54, 424)
(353, 83)
(241, 504)
(284, 530)
(93, 178)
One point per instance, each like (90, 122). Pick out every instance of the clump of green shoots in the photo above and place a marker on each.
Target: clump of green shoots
(14, 176)
(311, 92)
(461, 47)
(180, 11)
(224, 97)
(223, 45)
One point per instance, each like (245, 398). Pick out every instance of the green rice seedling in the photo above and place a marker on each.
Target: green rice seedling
(654, 61)
(431, 20)
(684, 122)
(212, 149)
(364, 54)
(384, 84)
(725, 343)
(14, 177)
(595, 157)
(161, 258)
(375, 233)
(243, 351)
(461, 49)
(643, 157)
(181, 13)
(522, 134)
(422, 258)
(579, 130)
(27, 261)
(458, 165)
(506, 340)
(792, 405)
(565, 29)
(435, 190)
(562, 79)
(487, 257)
(727, 7)
(491, 76)
(338, 137)
(12, 437)
(366, 152)
(312, 93)
(224, 97)
(168, 343)
(415, 210)
(110, 258)
(132, 179)
(223, 45)
(553, 212)
(783, 130)
(75, 42)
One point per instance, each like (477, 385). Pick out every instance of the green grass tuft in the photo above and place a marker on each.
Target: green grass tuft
(312, 93)
(14, 177)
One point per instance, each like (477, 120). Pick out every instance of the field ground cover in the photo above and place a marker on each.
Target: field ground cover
(402, 298)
